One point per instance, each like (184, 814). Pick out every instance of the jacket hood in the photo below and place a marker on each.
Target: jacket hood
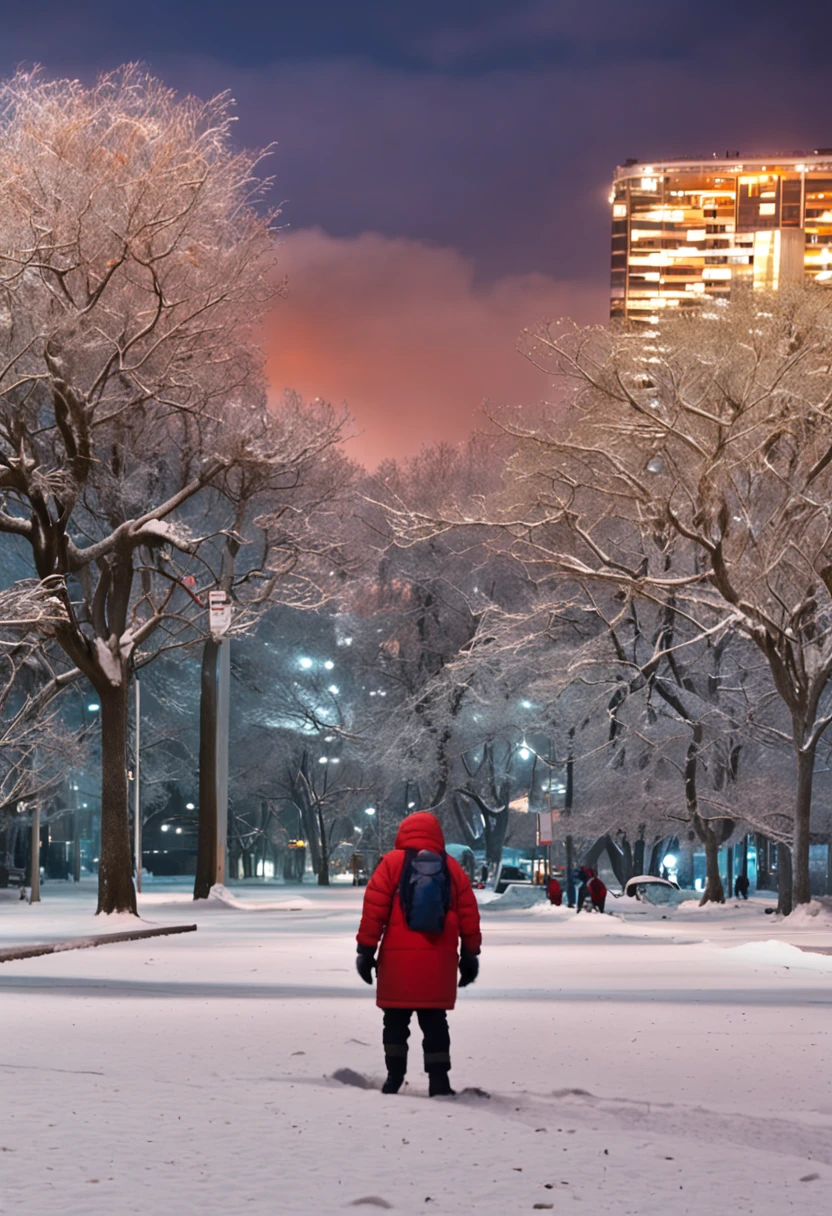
(421, 830)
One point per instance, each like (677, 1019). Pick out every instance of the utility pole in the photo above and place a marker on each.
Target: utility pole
(34, 875)
(567, 812)
(137, 797)
(214, 703)
(76, 832)
(223, 715)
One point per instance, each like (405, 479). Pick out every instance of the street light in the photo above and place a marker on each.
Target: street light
(93, 707)
(189, 806)
(371, 811)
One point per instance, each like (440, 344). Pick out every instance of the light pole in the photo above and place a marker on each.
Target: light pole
(137, 797)
(371, 811)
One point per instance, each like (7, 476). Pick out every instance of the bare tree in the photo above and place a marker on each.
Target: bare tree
(134, 265)
(37, 746)
(718, 434)
(714, 429)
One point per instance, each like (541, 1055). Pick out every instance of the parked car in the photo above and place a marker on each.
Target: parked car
(652, 890)
(508, 875)
(12, 876)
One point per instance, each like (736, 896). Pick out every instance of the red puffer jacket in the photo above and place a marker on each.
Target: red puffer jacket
(417, 970)
(597, 889)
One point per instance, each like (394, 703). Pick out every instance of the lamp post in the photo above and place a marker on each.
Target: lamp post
(371, 811)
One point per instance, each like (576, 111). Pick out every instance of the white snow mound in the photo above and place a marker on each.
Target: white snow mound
(221, 895)
(521, 896)
(781, 954)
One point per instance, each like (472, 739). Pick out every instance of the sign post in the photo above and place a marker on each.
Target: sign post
(219, 622)
(137, 791)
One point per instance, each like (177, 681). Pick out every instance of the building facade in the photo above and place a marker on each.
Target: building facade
(687, 229)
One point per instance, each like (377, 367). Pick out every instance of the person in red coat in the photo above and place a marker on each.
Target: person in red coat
(554, 892)
(594, 888)
(417, 971)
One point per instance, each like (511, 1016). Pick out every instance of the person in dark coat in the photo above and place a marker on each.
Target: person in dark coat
(592, 888)
(417, 972)
(581, 877)
(553, 892)
(741, 887)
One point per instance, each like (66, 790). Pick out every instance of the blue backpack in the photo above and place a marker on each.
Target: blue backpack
(425, 890)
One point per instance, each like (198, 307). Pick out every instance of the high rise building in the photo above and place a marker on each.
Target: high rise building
(687, 229)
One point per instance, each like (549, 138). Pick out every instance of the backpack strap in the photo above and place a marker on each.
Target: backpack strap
(404, 880)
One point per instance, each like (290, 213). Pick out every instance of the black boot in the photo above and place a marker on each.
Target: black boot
(393, 1083)
(439, 1085)
(395, 1057)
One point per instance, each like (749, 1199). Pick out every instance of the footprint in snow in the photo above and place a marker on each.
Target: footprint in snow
(348, 1076)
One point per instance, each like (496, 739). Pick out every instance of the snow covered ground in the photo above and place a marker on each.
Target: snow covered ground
(645, 1062)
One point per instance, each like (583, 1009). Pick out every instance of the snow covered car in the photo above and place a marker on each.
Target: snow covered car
(652, 890)
(509, 876)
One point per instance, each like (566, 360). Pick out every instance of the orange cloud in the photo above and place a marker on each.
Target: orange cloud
(402, 333)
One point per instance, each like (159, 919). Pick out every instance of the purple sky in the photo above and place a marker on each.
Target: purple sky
(445, 166)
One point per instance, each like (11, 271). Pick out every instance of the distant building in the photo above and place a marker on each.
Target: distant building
(687, 229)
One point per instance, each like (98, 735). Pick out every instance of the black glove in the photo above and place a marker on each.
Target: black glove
(365, 961)
(469, 969)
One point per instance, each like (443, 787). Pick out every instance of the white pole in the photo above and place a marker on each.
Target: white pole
(137, 804)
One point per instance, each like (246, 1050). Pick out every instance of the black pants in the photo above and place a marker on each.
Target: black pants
(584, 895)
(436, 1039)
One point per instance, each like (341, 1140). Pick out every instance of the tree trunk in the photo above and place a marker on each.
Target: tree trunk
(206, 855)
(802, 815)
(116, 892)
(323, 870)
(570, 869)
(76, 845)
(685, 868)
(34, 866)
(784, 880)
(763, 873)
(746, 841)
(496, 826)
(714, 892)
(638, 855)
(658, 851)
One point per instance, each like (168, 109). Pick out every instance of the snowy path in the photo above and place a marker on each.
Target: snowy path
(636, 1065)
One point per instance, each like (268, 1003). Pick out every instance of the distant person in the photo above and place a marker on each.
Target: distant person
(580, 878)
(597, 892)
(418, 904)
(483, 874)
(741, 887)
(553, 892)
(592, 889)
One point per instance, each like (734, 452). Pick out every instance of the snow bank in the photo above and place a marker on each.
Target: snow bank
(814, 915)
(781, 954)
(521, 896)
(222, 896)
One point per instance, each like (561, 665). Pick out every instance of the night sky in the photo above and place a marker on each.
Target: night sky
(445, 165)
